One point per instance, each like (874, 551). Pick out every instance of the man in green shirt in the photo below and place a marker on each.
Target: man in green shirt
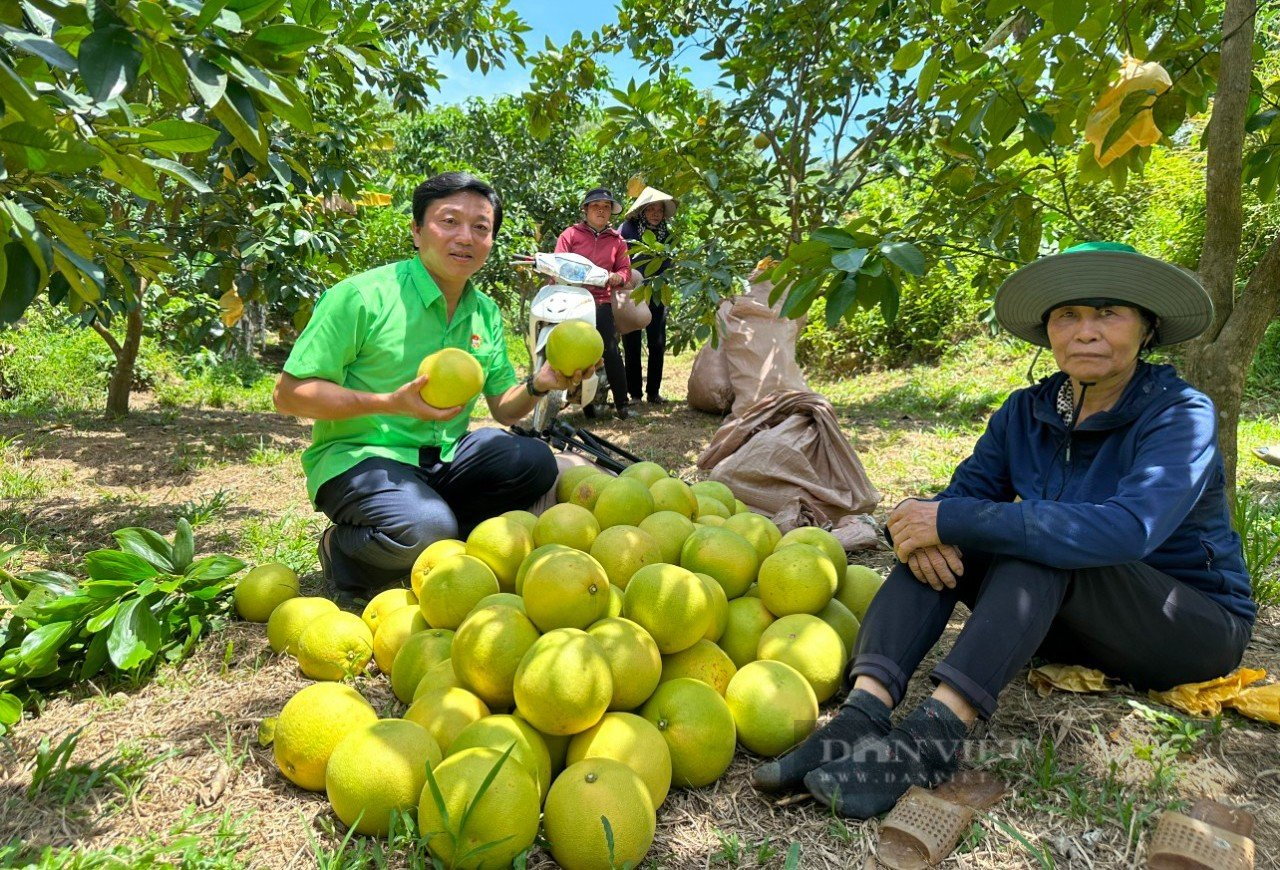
(393, 473)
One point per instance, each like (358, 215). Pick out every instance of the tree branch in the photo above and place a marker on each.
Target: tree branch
(110, 339)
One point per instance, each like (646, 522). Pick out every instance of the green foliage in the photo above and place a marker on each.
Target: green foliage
(1258, 524)
(148, 601)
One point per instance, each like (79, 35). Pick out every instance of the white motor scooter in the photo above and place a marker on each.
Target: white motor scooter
(557, 303)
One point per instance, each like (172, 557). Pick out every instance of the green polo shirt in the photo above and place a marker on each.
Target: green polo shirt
(369, 333)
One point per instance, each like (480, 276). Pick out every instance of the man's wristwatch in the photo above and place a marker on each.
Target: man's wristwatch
(532, 390)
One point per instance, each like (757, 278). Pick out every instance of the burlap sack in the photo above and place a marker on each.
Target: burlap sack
(760, 346)
(786, 457)
(628, 314)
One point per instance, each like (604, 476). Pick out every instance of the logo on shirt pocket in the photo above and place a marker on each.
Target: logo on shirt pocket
(475, 341)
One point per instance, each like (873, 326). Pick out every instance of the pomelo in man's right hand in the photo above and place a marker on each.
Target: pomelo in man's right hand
(574, 346)
(454, 377)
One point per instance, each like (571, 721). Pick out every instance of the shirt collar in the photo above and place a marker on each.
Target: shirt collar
(430, 294)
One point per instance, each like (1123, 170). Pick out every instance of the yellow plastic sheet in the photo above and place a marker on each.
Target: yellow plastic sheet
(1069, 678)
(1141, 130)
(1235, 690)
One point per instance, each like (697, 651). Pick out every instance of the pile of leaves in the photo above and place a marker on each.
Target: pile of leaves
(147, 602)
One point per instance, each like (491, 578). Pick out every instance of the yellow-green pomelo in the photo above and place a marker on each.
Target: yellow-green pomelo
(393, 631)
(430, 557)
(670, 529)
(810, 646)
(378, 770)
(586, 492)
(454, 377)
(290, 618)
(569, 524)
(384, 604)
(670, 494)
(748, 618)
(703, 661)
(711, 507)
(539, 553)
(841, 618)
(860, 585)
(634, 660)
(820, 538)
(718, 491)
(670, 603)
(266, 586)
(698, 727)
(557, 744)
(488, 649)
(645, 472)
(563, 684)
(581, 798)
(483, 831)
(420, 652)
(445, 712)
(633, 740)
(773, 706)
(623, 501)
(499, 732)
(439, 676)
(719, 608)
(508, 599)
(524, 518)
(335, 646)
(615, 602)
(740, 507)
(311, 724)
(762, 533)
(796, 579)
(568, 589)
(724, 555)
(573, 346)
(571, 477)
(501, 543)
(624, 550)
(753, 591)
(710, 520)
(453, 587)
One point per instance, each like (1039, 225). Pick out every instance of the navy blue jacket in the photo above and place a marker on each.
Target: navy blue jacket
(1142, 481)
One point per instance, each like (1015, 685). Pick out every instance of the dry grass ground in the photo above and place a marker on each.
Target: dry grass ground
(170, 771)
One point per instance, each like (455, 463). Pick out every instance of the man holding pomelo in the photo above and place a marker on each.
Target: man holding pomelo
(393, 472)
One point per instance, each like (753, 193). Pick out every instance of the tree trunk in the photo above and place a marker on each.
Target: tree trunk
(1218, 361)
(121, 384)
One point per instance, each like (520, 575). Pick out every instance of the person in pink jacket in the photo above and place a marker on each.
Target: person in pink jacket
(593, 238)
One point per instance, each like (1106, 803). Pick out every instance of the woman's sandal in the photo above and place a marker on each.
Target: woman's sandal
(1211, 836)
(925, 825)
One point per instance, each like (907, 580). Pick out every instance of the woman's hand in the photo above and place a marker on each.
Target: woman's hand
(938, 566)
(914, 526)
(407, 402)
(615, 279)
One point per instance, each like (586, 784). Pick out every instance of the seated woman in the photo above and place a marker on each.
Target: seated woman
(1090, 526)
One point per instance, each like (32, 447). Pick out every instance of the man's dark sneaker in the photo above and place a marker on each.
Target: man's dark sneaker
(623, 412)
(589, 411)
(345, 600)
(656, 400)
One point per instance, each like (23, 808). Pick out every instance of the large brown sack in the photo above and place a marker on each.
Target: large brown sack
(629, 314)
(710, 389)
(787, 456)
(760, 346)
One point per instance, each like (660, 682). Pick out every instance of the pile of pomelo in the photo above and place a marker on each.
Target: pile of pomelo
(567, 670)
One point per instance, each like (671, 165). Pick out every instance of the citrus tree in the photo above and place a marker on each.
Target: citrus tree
(136, 130)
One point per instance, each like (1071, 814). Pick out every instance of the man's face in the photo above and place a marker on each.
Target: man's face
(599, 213)
(455, 237)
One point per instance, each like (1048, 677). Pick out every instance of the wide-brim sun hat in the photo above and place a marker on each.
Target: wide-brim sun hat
(648, 197)
(601, 194)
(1103, 270)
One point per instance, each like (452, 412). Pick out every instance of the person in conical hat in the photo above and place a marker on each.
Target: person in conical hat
(1089, 527)
(648, 214)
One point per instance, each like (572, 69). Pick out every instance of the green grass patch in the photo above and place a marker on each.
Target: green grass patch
(290, 539)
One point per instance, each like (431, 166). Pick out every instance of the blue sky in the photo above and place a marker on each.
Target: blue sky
(557, 20)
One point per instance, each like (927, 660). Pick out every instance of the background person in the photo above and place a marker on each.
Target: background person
(391, 472)
(1090, 526)
(593, 238)
(649, 214)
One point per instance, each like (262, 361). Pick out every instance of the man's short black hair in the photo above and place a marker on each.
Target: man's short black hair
(449, 183)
